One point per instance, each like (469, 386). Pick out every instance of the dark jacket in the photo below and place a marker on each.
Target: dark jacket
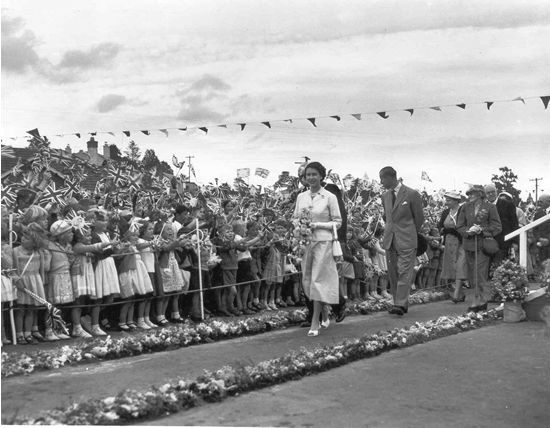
(448, 230)
(487, 218)
(509, 221)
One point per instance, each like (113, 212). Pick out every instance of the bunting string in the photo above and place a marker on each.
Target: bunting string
(313, 120)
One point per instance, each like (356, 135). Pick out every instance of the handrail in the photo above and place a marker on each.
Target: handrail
(527, 227)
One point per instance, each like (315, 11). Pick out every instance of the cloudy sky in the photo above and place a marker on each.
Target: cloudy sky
(129, 65)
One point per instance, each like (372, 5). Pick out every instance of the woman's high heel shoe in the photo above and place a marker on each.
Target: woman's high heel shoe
(326, 323)
(462, 299)
(313, 333)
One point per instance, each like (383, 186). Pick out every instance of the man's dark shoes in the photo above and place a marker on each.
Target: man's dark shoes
(397, 310)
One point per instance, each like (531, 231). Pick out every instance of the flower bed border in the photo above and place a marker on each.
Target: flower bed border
(130, 406)
(174, 337)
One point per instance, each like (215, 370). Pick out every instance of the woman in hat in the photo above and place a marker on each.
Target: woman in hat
(454, 258)
(319, 272)
(477, 219)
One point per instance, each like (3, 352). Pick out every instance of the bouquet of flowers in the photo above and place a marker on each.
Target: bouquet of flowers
(544, 275)
(509, 282)
(301, 235)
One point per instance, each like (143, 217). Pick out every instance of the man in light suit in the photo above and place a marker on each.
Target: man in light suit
(404, 216)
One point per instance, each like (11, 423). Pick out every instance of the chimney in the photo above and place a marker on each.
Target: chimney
(68, 149)
(106, 151)
(92, 147)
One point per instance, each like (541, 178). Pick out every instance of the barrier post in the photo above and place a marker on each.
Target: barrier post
(12, 319)
(200, 267)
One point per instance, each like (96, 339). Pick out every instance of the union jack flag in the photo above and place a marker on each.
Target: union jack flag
(8, 152)
(119, 174)
(52, 194)
(8, 195)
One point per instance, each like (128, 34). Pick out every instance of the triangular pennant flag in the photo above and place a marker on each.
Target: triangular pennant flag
(545, 100)
(146, 132)
(34, 132)
(183, 129)
(204, 129)
(489, 104)
(267, 124)
(462, 106)
(288, 120)
(312, 120)
(222, 126)
(111, 133)
(336, 117)
(242, 125)
(77, 134)
(357, 116)
(410, 110)
(382, 114)
(436, 108)
(164, 131)
(127, 133)
(519, 99)
(93, 134)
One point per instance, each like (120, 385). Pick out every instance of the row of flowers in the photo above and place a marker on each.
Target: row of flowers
(174, 337)
(129, 405)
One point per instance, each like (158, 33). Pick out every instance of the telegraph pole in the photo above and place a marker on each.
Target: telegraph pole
(536, 180)
(189, 167)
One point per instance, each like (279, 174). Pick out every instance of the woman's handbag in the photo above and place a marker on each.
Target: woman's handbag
(490, 245)
(336, 247)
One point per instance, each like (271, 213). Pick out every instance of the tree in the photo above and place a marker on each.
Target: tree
(150, 159)
(132, 152)
(505, 182)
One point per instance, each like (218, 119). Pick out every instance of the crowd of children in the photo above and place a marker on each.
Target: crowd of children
(126, 270)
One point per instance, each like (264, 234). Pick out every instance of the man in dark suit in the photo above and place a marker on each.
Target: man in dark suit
(508, 219)
(404, 216)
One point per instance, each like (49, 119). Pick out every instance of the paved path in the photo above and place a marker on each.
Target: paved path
(498, 376)
(27, 395)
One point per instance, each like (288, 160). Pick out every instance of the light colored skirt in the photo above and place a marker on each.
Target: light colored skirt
(32, 282)
(9, 293)
(60, 288)
(319, 273)
(135, 281)
(454, 259)
(106, 278)
(172, 278)
(84, 285)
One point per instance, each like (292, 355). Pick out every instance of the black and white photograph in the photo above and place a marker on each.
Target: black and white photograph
(291, 213)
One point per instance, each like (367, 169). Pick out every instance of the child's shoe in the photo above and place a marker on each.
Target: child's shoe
(272, 305)
(289, 302)
(386, 295)
(62, 336)
(78, 331)
(50, 336)
(132, 325)
(150, 323)
(280, 303)
(142, 325)
(36, 334)
(123, 327)
(96, 331)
